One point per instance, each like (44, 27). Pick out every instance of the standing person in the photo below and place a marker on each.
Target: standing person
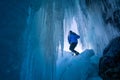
(73, 41)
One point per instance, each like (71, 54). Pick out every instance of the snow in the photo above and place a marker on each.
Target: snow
(81, 67)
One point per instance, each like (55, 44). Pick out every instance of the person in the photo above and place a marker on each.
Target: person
(73, 41)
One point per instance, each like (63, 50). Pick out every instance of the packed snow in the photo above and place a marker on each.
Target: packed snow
(81, 67)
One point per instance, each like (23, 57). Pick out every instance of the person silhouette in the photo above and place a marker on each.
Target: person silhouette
(73, 41)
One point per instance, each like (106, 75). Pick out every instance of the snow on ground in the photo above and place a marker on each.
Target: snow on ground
(81, 67)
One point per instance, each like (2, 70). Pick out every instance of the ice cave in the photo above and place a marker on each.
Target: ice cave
(34, 39)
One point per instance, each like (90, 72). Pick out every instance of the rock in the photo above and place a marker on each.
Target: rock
(109, 64)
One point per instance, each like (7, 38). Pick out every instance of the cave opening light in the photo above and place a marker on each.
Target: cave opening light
(74, 28)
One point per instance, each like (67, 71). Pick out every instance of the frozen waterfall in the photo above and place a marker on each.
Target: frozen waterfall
(34, 37)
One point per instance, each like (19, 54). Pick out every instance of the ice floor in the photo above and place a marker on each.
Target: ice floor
(81, 67)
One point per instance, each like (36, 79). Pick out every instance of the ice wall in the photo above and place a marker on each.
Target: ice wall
(94, 32)
(90, 20)
(12, 26)
(33, 31)
(44, 36)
